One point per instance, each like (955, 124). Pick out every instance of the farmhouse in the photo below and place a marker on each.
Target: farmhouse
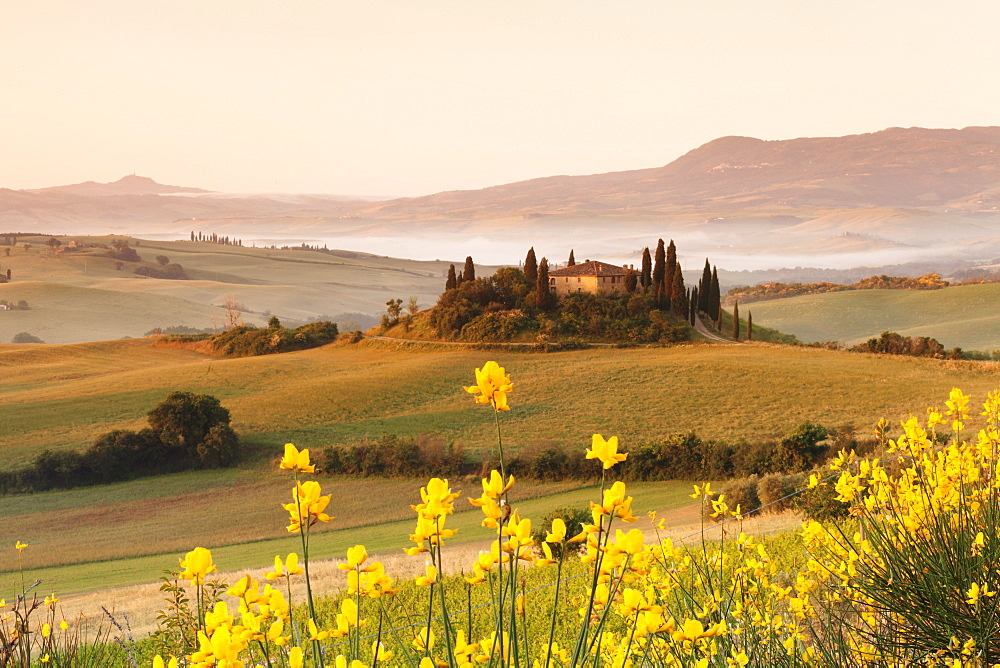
(589, 276)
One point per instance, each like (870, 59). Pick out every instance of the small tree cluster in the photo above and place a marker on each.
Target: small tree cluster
(185, 431)
(216, 239)
(893, 343)
(249, 341)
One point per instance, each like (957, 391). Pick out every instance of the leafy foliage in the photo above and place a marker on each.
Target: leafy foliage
(186, 431)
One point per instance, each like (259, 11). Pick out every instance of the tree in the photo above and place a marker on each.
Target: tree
(452, 281)
(53, 243)
(543, 294)
(413, 305)
(715, 298)
(679, 302)
(646, 278)
(736, 320)
(659, 264)
(671, 260)
(234, 312)
(531, 266)
(692, 305)
(25, 337)
(184, 420)
(572, 260)
(162, 260)
(273, 322)
(705, 288)
(469, 272)
(631, 280)
(394, 309)
(8, 275)
(749, 325)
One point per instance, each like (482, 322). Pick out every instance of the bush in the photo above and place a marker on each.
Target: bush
(574, 518)
(248, 341)
(25, 337)
(773, 489)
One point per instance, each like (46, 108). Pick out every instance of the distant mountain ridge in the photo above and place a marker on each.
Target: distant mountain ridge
(127, 185)
(897, 167)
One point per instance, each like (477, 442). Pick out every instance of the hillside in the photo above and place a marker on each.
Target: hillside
(963, 316)
(64, 396)
(81, 296)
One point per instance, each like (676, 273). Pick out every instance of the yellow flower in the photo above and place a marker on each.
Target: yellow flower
(424, 641)
(308, 506)
(46, 630)
(558, 533)
(296, 460)
(20, 546)
(158, 662)
(975, 593)
(429, 577)
(493, 384)
(290, 567)
(197, 564)
(356, 556)
(606, 451)
(380, 653)
(295, 658)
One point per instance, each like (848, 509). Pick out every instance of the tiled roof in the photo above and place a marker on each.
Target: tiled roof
(590, 268)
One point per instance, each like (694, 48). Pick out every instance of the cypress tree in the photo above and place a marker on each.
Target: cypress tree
(469, 273)
(749, 325)
(646, 278)
(452, 281)
(705, 289)
(659, 264)
(680, 301)
(661, 301)
(693, 305)
(531, 266)
(671, 261)
(736, 320)
(631, 281)
(714, 298)
(543, 295)
(572, 260)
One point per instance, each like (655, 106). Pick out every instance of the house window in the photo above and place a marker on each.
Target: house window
(578, 279)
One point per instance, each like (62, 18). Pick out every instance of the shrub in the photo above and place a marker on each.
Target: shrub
(25, 337)
(774, 491)
(574, 518)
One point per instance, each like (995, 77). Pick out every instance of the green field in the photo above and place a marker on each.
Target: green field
(965, 316)
(80, 295)
(64, 396)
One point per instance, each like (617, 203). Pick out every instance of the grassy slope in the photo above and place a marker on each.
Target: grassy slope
(964, 315)
(63, 396)
(290, 284)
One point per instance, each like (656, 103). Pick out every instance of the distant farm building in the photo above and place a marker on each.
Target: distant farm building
(590, 276)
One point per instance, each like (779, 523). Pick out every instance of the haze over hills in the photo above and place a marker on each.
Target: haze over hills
(895, 196)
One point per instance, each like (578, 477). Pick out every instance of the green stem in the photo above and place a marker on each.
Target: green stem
(555, 604)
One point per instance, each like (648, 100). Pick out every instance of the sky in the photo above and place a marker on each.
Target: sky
(402, 98)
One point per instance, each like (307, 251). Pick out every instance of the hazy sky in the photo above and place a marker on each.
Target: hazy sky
(413, 97)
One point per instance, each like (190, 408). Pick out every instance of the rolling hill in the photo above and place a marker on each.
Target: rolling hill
(62, 397)
(80, 295)
(963, 316)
